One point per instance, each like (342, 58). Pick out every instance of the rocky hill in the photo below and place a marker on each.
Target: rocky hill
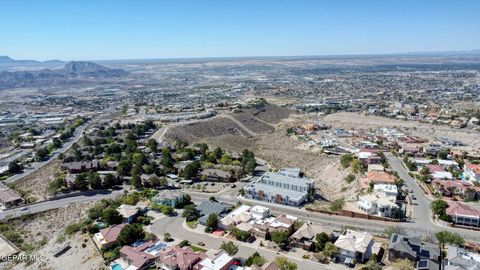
(72, 72)
(234, 131)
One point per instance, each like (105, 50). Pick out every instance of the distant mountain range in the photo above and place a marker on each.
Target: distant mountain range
(72, 72)
(7, 62)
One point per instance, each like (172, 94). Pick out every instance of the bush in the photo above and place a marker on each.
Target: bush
(184, 243)
(337, 205)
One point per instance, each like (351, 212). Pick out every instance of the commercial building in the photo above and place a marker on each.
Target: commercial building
(283, 188)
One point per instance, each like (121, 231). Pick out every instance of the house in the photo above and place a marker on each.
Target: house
(141, 256)
(378, 204)
(239, 215)
(412, 248)
(472, 172)
(461, 259)
(9, 197)
(284, 223)
(216, 175)
(80, 166)
(387, 189)
(128, 212)
(209, 207)
(380, 177)
(280, 188)
(107, 237)
(375, 168)
(462, 214)
(304, 237)
(220, 261)
(169, 197)
(259, 212)
(449, 188)
(427, 265)
(358, 246)
(179, 258)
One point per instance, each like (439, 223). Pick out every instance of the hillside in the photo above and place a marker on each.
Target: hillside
(234, 131)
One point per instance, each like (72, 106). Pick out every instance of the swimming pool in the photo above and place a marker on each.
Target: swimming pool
(116, 266)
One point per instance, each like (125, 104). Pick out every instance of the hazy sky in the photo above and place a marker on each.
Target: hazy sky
(118, 29)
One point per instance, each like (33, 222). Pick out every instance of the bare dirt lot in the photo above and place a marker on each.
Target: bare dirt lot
(428, 131)
(35, 185)
(45, 232)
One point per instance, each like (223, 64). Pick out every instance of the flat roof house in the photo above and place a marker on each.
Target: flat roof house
(459, 258)
(279, 188)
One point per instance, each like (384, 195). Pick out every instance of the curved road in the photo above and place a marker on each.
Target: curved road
(174, 226)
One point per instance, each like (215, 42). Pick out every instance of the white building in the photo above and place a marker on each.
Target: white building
(472, 172)
(355, 245)
(387, 189)
(377, 204)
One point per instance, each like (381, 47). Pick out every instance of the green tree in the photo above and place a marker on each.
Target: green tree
(168, 210)
(211, 223)
(109, 180)
(229, 247)
(152, 144)
(255, 259)
(111, 216)
(14, 167)
(330, 249)
(191, 170)
(190, 213)
(281, 238)
(445, 237)
(130, 233)
(284, 264)
(42, 154)
(439, 207)
(136, 181)
(321, 239)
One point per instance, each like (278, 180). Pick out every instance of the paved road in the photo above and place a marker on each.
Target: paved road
(55, 204)
(421, 208)
(37, 165)
(77, 135)
(174, 226)
(422, 224)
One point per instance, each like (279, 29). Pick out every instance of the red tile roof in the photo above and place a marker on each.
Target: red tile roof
(136, 256)
(111, 233)
(182, 258)
(457, 209)
(474, 167)
(380, 177)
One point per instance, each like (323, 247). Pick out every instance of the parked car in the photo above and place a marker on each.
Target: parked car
(202, 244)
(413, 197)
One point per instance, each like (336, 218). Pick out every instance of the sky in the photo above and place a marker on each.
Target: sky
(139, 29)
